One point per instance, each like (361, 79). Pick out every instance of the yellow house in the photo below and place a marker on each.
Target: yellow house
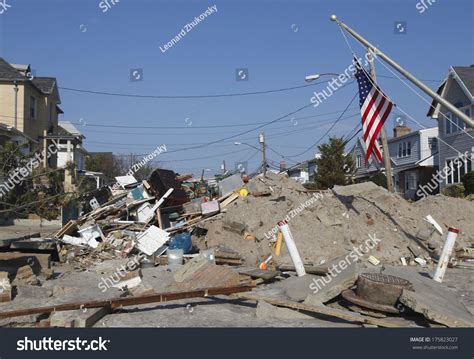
(29, 104)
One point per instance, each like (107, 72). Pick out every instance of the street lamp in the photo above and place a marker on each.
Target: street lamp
(311, 78)
(247, 144)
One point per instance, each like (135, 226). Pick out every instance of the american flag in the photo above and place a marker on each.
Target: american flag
(374, 108)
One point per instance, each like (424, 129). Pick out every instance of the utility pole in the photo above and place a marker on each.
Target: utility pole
(383, 133)
(261, 139)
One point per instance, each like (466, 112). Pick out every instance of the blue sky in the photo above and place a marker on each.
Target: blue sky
(280, 42)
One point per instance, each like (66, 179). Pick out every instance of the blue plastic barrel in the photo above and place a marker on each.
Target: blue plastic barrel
(182, 241)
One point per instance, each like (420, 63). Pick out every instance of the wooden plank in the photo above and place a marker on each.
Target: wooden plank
(129, 301)
(319, 270)
(81, 318)
(258, 273)
(229, 200)
(324, 310)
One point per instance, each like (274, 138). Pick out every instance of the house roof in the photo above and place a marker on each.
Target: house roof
(464, 76)
(9, 72)
(69, 128)
(45, 84)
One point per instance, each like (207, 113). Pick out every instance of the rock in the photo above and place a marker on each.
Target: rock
(5, 288)
(235, 227)
(25, 275)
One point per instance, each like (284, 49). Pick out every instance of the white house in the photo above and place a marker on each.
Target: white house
(70, 148)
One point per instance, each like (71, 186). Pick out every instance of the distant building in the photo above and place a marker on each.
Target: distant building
(70, 148)
(303, 172)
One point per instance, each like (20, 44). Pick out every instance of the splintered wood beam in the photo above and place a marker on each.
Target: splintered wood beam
(123, 302)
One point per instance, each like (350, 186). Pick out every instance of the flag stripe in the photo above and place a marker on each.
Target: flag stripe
(375, 108)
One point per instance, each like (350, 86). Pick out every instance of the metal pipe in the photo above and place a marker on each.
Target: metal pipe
(454, 110)
(290, 244)
(445, 254)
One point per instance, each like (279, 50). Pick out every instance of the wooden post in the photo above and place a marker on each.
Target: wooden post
(383, 133)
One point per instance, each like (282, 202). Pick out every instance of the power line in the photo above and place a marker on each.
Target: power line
(104, 93)
(194, 127)
(333, 125)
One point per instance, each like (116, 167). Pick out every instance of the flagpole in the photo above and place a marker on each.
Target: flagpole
(383, 133)
(449, 106)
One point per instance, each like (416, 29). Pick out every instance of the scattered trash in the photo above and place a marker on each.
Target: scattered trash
(373, 260)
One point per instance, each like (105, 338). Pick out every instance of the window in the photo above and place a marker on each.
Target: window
(359, 161)
(404, 149)
(433, 143)
(458, 167)
(454, 124)
(447, 128)
(412, 181)
(32, 107)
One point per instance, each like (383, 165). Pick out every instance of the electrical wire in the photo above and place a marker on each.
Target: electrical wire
(329, 130)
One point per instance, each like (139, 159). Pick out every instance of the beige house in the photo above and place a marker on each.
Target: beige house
(29, 104)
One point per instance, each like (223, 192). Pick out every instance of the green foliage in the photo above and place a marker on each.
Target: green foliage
(468, 182)
(334, 166)
(33, 194)
(379, 179)
(455, 190)
(104, 162)
(470, 197)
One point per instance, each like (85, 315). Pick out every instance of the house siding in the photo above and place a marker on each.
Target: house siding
(460, 141)
(414, 139)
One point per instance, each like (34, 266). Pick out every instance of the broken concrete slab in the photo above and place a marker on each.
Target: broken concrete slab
(438, 310)
(432, 299)
(298, 288)
(325, 288)
(266, 310)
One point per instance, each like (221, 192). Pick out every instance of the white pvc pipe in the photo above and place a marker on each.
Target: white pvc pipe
(445, 254)
(290, 244)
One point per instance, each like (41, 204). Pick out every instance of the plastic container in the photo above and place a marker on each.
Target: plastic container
(175, 257)
(182, 241)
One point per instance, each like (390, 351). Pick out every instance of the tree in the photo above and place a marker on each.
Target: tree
(468, 181)
(105, 163)
(28, 188)
(334, 166)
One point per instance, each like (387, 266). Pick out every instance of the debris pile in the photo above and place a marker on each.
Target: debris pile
(356, 253)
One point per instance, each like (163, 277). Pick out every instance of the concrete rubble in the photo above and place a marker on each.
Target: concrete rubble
(215, 253)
